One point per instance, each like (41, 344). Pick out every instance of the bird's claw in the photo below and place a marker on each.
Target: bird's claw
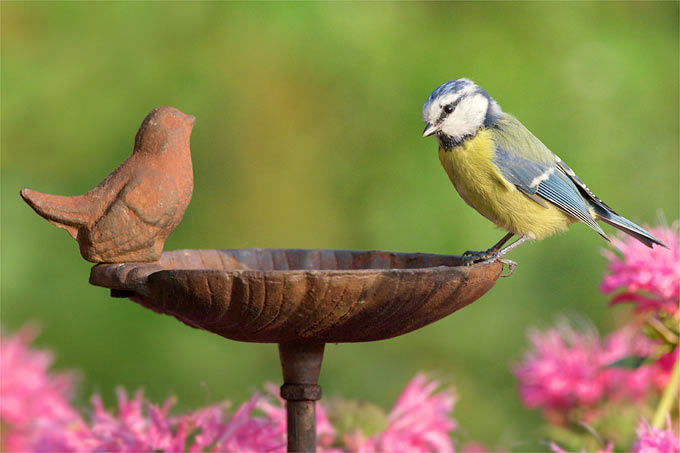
(471, 257)
(512, 265)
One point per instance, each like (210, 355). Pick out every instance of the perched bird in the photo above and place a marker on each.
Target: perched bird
(128, 216)
(499, 168)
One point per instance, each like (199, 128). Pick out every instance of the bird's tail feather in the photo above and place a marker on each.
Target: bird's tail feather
(69, 213)
(629, 227)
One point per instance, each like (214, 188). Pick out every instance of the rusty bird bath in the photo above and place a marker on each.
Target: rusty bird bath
(299, 299)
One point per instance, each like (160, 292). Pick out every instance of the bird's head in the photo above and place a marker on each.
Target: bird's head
(457, 110)
(162, 129)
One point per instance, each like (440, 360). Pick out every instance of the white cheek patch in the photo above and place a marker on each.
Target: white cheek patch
(467, 118)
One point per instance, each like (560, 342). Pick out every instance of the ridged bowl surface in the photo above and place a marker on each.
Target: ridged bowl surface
(303, 296)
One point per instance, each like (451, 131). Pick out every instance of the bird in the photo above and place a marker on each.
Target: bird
(130, 214)
(509, 176)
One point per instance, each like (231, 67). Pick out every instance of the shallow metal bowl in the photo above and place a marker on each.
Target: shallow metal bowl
(301, 296)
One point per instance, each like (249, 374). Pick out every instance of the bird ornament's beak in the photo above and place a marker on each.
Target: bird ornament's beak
(430, 129)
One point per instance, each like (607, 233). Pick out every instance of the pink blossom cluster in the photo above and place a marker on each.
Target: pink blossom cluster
(569, 368)
(418, 422)
(257, 425)
(578, 378)
(36, 415)
(657, 440)
(30, 395)
(649, 278)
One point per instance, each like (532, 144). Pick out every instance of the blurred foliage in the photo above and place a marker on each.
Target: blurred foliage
(308, 135)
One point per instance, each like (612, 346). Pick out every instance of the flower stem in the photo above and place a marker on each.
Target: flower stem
(663, 331)
(669, 394)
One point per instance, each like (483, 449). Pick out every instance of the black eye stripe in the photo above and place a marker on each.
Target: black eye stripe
(457, 101)
(449, 108)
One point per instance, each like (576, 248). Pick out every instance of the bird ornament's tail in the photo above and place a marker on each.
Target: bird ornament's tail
(69, 213)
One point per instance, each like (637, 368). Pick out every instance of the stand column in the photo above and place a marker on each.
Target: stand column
(301, 365)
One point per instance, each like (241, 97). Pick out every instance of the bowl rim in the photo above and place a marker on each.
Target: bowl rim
(132, 275)
(259, 249)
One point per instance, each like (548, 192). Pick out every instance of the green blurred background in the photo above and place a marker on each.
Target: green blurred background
(308, 136)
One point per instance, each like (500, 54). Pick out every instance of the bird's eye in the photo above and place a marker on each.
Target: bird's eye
(448, 108)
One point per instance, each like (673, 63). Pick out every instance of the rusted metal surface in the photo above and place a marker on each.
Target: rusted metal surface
(300, 299)
(301, 366)
(130, 214)
(301, 426)
(302, 296)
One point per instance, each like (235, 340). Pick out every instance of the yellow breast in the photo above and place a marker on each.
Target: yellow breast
(478, 181)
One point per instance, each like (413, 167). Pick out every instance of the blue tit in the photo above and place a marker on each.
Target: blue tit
(499, 168)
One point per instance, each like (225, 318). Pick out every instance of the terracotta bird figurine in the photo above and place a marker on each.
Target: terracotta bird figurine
(130, 214)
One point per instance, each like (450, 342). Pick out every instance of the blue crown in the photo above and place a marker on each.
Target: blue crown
(451, 86)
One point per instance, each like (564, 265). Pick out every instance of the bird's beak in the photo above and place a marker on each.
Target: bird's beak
(430, 129)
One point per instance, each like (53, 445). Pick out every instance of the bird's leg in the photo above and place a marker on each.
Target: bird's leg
(470, 257)
(519, 241)
(501, 243)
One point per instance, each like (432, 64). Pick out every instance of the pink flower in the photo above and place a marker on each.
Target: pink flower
(561, 370)
(624, 383)
(31, 395)
(142, 426)
(654, 440)
(37, 416)
(138, 426)
(568, 368)
(649, 278)
(420, 421)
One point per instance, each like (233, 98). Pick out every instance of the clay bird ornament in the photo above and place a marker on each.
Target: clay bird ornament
(130, 214)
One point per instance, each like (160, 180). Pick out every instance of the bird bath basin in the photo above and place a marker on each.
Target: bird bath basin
(301, 296)
(301, 299)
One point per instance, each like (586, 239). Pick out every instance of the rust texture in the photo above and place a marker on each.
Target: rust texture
(301, 426)
(130, 214)
(301, 296)
(301, 366)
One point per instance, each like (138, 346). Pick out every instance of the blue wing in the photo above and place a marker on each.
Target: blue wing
(542, 176)
(546, 181)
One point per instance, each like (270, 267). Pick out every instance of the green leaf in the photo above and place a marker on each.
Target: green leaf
(632, 362)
